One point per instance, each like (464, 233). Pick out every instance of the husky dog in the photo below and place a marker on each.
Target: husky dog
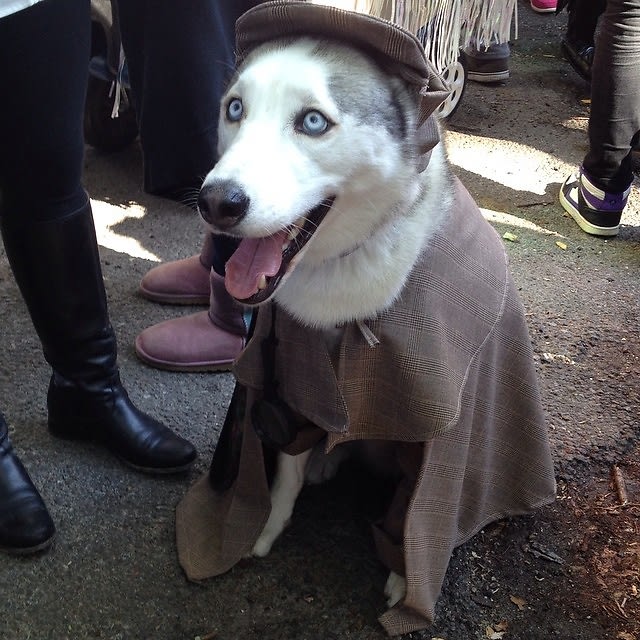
(321, 180)
(318, 180)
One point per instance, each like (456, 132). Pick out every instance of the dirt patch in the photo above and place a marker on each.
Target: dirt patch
(598, 510)
(602, 521)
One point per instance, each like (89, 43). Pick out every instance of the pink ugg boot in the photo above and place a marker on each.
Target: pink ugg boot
(183, 281)
(205, 341)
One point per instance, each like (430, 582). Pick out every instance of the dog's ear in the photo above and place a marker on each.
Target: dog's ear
(425, 132)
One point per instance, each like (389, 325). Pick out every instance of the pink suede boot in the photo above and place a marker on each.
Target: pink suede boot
(205, 341)
(183, 281)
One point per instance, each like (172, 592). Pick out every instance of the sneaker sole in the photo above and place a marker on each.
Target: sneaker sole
(585, 225)
(497, 76)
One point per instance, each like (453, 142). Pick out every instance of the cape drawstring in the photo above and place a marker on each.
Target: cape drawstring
(367, 334)
(116, 85)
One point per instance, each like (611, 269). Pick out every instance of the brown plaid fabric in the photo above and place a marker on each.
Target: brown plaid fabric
(451, 381)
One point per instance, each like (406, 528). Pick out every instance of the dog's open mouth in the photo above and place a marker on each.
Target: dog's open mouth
(258, 265)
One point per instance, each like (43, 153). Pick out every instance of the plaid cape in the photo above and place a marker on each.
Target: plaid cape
(451, 382)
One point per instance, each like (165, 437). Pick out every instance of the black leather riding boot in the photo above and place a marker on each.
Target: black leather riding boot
(57, 267)
(25, 523)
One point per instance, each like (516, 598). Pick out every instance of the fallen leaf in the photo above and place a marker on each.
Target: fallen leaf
(562, 245)
(492, 634)
(511, 237)
(556, 357)
(521, 603)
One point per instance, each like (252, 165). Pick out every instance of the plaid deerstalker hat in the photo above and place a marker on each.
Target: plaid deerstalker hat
(380, 38)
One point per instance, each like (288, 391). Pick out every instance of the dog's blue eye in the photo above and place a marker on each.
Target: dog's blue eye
(314, 123)
(235, 109)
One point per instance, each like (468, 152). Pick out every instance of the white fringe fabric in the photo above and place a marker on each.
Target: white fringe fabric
(444, 26)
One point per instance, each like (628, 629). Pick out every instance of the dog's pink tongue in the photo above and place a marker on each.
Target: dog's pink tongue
(253, 258)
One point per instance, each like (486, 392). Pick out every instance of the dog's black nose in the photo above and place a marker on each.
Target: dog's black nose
(223, 204)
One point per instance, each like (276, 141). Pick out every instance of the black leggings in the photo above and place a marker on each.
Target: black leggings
(44, 53)
(614, 123)
(180, 56)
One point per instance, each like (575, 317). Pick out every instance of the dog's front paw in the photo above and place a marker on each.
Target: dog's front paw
(269, 535)
(395, 589)
(262, 547)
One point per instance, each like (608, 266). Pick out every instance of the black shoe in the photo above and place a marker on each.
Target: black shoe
(580, 56)
(25, 524)
(577, 44)
(488, 65)
(56, 264)
(108, 416)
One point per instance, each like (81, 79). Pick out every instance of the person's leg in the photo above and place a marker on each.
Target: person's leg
(25, 523)
(487, 64)
(596, 197)
(180, 57)
(578, 43)
(47, 228)
(614, 122)
(203, 35)
(485, 42)
(205, 341)
(184, 281)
